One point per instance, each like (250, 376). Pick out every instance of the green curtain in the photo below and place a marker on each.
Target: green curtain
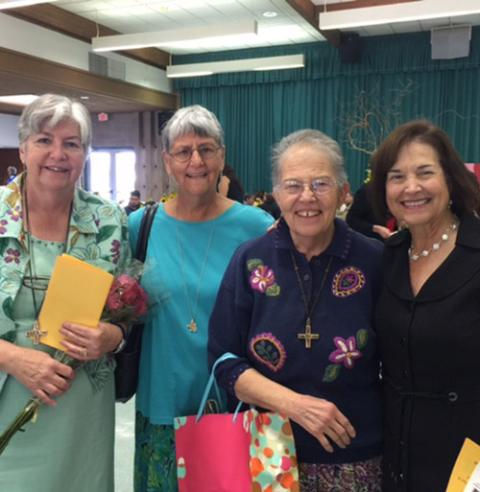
(357, 104)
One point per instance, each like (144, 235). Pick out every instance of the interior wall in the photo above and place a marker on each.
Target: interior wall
(25, 37)
(8, 131)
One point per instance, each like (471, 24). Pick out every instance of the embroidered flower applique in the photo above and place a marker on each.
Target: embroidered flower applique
(12, 255)
(346, 353)
(262, 278)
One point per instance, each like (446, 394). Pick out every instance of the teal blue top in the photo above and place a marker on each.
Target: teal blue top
(184, 266)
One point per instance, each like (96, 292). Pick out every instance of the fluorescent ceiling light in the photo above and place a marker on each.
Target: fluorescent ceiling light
(245, 65)
(11, 4)
(401, 12)
(18, 99)
(165, 38)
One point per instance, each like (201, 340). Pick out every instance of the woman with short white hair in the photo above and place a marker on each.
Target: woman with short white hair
(43, 214)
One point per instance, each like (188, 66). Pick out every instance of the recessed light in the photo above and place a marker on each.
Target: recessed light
(269, 13)
(85, 98)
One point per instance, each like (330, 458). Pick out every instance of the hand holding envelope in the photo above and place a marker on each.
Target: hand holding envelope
(76, 294)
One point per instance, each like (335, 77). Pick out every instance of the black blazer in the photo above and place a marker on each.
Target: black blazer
(430, 350)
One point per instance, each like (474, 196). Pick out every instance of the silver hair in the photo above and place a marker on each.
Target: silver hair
(314, 138)
(51, 109)
(192, 119)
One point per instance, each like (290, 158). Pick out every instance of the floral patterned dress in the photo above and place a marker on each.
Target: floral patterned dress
(70, 447)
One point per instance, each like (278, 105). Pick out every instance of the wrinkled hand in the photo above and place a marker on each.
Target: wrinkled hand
(44, 376)
(85, 343)
(323, 420)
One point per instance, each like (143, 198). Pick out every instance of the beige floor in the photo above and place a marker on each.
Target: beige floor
(124, 446)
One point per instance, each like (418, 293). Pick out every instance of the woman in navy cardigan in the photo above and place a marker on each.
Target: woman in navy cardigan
(296, 307)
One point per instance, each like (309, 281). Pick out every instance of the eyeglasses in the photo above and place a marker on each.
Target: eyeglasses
(206, 152)
(318, 186)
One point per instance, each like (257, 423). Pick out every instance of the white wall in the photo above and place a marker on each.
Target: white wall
(22, 36)
(8, 131)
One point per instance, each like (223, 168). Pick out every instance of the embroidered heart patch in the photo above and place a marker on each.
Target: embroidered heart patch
(269, 351)
(348, 281)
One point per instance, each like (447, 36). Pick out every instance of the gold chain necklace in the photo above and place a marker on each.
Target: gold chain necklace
(192, 326)
(36, 333)
(308, 335)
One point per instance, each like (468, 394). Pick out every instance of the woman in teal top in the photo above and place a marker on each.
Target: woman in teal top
(192, 239)
(42, 215)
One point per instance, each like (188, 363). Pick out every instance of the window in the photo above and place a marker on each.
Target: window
(111, 173)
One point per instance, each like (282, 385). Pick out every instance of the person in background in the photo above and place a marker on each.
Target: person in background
(134, 202)
(296, 307)
(362, 218)
(192, 239)
(229, 184)
(269, 204)
(11, 173)
(42, 215)
(427, 315)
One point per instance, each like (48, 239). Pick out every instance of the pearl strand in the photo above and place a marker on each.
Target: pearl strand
(435, 247)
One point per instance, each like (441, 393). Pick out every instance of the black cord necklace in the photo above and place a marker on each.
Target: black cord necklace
(308, 335)
(36, 333)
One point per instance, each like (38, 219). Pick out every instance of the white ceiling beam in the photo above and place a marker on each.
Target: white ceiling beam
(401, 12)
(244, 65)
(164, 38)
(12, 4)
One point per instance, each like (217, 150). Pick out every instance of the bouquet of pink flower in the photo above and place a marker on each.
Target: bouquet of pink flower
(126, 303)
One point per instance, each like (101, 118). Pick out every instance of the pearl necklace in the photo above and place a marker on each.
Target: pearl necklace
(435, 247)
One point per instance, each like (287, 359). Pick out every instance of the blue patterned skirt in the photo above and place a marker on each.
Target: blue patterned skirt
(155, 464)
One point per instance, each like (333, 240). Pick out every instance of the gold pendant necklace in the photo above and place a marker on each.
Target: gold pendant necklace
(308, 336)
(192, 309)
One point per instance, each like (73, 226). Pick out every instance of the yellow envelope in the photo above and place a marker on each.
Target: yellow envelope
(77, 292)
(467, 460)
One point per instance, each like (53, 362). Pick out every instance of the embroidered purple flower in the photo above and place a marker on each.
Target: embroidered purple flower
(262, 278)
(346, 352)
(3, 229)
(15, 213)
(115, 249)
(12, 255)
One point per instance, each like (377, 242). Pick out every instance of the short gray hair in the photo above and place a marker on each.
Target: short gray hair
(51, 109)
(192, 119)
(314, 138)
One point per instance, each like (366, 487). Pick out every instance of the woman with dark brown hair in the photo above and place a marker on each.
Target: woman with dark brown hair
(427, 317)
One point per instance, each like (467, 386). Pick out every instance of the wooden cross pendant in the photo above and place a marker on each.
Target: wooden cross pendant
(308, 336)
(192, 326)
(35, 334)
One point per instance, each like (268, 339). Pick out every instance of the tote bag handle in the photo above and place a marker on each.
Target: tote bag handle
(212, 382)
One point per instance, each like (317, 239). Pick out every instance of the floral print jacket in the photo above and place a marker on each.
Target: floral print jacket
(98, 235)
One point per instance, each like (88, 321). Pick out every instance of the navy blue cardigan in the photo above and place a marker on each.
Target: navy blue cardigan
(259, 312)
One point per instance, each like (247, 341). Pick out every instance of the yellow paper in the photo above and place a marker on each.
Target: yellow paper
(77, 292)
(467, 460)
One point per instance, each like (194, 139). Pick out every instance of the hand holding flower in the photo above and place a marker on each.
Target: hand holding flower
(44, 376)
